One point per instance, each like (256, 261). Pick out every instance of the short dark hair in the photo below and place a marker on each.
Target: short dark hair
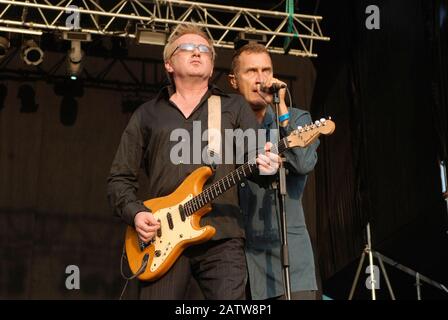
(251, 47)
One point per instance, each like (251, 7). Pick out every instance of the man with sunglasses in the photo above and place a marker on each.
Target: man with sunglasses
(219, 265)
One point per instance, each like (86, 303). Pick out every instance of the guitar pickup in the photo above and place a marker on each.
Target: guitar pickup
(170, 220)
(159, 231)
(182, 212)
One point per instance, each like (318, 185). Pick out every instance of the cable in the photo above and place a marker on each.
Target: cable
(289, 96)
(277, 5)
(124, 289)
(139, 271)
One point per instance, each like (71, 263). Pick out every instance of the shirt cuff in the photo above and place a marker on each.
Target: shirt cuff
(285, 131)
(131, 209)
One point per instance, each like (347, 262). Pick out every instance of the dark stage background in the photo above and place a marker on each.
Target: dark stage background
(386, 90)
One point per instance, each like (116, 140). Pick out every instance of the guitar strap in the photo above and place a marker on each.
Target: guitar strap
(214, 129)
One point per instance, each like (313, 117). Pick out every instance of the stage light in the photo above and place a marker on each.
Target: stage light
(151, 36)
(74, 60)
(4, 46)
(76, 35)
(75, 55)
(31, 53)
(244, 38)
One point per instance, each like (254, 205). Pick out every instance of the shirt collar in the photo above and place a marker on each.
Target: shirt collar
(167, 91)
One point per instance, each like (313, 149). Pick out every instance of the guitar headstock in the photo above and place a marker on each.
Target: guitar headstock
(304, 136)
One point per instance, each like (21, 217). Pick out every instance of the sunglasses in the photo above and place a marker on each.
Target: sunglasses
(189, 47)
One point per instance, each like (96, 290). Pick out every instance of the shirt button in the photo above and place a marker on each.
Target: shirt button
(243, 185)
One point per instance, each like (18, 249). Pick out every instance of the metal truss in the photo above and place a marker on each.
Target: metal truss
(285, 33)
(134, 73)
(137, 76)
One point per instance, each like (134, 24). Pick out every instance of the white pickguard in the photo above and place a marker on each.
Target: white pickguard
(181, 231)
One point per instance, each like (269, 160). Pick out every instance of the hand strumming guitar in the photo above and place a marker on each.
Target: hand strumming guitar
(146, 225)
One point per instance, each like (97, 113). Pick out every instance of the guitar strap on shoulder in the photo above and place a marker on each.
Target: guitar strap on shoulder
(214, 129)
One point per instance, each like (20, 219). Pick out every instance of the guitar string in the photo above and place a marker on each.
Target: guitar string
(193, 205)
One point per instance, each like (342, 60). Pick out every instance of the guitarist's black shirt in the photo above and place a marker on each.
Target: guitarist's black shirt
(146, 144)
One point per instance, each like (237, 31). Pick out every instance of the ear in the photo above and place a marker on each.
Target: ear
(233, 82)
(168, 67)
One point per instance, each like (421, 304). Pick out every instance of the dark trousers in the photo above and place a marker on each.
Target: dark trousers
(219, 267)
(300, 295)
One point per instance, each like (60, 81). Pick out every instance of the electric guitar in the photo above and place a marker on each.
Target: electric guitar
(180, 212)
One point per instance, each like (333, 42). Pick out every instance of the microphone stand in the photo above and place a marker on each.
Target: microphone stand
(281, 192)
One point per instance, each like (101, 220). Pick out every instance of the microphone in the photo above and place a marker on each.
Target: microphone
(276, 86)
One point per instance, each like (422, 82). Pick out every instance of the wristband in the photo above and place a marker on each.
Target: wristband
(283, 117)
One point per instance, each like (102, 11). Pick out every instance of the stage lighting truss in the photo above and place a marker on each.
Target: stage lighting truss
(285, 33)
(113, 73)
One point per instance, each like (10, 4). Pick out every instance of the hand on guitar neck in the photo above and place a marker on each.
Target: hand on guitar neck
(146, 225)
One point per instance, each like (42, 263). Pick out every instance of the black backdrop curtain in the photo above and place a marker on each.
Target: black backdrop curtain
(386, 90)
(438, 40)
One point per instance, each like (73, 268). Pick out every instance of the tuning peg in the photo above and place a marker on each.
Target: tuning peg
(300, 128)
(317, 123)
(323, 120)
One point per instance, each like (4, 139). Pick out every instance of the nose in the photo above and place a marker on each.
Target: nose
(196, 51)
(259, 78)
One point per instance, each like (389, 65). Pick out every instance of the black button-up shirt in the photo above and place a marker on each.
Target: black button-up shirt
(146, 144)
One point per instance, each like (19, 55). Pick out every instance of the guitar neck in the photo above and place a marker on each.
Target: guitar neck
(230, 180)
